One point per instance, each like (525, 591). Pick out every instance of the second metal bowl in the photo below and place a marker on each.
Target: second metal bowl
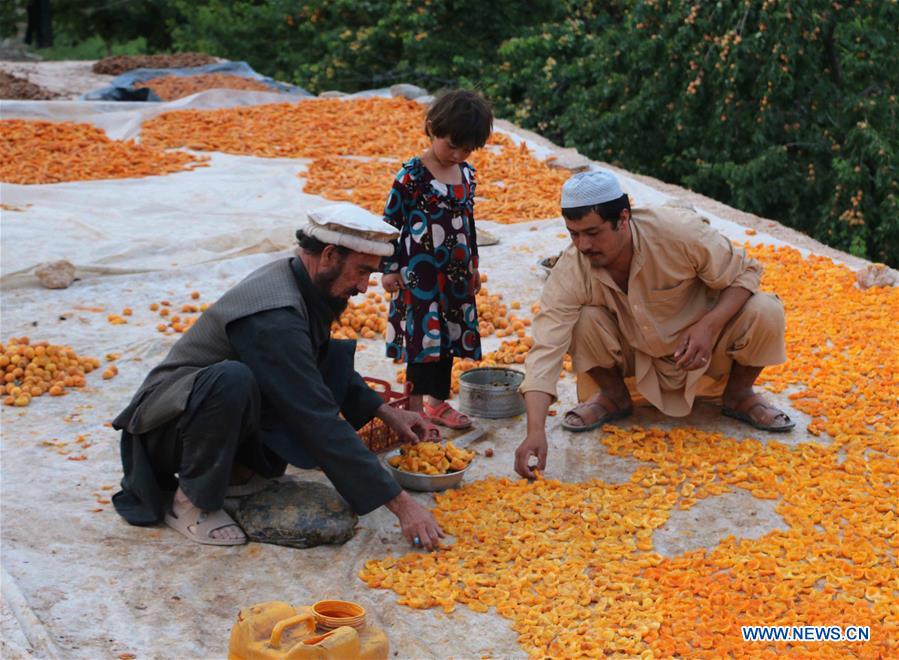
(423, 482)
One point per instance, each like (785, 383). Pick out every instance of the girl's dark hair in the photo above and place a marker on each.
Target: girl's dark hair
(608, 211)
(462, 115)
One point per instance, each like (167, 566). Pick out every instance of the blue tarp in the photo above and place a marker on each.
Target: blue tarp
(122, 87)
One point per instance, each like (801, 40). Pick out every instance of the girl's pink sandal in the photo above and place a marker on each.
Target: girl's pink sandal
(445, 415)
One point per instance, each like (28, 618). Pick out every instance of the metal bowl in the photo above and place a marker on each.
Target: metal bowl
(423, 482)
(491, 392)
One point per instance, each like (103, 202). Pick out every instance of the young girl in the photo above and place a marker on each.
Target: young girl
(433, 274)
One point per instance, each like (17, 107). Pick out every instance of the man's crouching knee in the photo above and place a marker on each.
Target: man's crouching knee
(233, 383)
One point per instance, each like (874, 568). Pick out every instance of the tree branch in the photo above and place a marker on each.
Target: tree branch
(836, 71)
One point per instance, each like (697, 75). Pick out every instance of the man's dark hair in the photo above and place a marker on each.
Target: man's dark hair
(462, 115)
(315, 246)
(608, 211)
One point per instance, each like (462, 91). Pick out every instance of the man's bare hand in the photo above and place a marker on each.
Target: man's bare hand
(410, 426)
(417, 522)
(534, 445)
(694, 348)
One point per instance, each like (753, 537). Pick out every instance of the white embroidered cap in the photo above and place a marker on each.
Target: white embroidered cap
(353, 227)
(590, 188)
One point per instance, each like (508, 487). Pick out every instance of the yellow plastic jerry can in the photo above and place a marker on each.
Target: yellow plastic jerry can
(268, 630)
(276, 631)
(339, 644)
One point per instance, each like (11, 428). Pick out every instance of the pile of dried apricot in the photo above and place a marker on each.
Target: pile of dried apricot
(513, 186)
(358, 147)
(34, 369)
(312, 128)
(47, 152)
(169, 88)
(431, 458)
(367, 319)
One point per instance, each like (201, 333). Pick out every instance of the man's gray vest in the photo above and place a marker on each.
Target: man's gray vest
(166, 389)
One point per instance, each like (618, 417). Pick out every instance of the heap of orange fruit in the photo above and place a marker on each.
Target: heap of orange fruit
(46, 152)
(367, 319)
(432, 458)
(169, 88)
(357, 148)
(513, 186)
(34, 369)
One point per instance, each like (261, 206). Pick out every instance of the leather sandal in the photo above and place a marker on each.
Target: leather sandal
(613, 412)
(746, 407)
(198, 526)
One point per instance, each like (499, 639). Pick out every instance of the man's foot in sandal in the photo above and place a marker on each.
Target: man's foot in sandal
(595, 412)
(206, 527)
(758, 413)
(445, 415)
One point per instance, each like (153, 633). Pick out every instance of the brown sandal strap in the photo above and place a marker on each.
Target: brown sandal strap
(750, 403)
(605, 402)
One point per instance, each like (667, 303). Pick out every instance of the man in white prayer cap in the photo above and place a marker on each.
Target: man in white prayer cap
(651, 303)
(256, 383)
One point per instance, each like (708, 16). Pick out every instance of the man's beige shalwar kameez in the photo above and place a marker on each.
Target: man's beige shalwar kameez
(680, 265)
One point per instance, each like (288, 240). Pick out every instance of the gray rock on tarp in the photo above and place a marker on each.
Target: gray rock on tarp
(299, 514)
(56, 274)
(407, 91)
(332, 94)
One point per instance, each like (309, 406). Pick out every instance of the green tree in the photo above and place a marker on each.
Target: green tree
(117, 22)
(783, 109)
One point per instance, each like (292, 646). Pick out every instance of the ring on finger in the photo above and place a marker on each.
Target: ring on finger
(416, 541)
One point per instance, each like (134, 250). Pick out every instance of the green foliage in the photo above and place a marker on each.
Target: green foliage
(93, 48)
(12, 13)
(787, 110)
(352, 44)
(115, 23)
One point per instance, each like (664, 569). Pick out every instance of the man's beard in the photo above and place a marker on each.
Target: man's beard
(323, 281)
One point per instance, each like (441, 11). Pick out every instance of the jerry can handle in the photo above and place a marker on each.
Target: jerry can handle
(279, 628)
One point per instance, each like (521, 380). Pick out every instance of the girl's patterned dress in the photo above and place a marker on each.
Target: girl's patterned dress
(435, 316)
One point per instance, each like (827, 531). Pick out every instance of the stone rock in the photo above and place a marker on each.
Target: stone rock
(407, 91)
(56, 274)
(299, 514)
(568, 159)
(486, 238)
(876, 275)
(332, 94)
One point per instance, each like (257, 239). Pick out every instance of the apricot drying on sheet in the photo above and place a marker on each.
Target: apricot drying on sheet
(36, 152)
(170, 88)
